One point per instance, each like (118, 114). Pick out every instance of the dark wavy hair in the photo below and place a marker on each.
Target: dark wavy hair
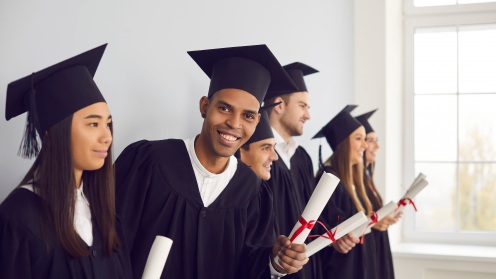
(53, 179)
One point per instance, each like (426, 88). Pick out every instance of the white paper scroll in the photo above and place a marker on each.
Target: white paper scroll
(315, 205)
(157, 257)
(343, 229)
(381, 213)
(412, 192)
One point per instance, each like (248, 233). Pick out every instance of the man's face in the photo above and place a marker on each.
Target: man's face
(231, 118)
(260, 156)
(296, 113)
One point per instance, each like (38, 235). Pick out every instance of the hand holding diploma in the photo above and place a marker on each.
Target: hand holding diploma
(290, 257)
(157, 258)
(384, 224)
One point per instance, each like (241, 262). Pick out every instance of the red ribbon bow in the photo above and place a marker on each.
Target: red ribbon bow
(402, 202)
(329, 233)
(304, 225)
(374, 219)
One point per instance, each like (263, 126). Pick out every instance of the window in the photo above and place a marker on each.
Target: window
(426, 3)
(450, 114)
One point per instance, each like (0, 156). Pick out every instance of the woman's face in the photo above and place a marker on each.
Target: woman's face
(357, 145)
(372, 147)
(91, 136)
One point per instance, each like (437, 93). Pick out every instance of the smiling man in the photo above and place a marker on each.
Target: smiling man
(258, 152)
(292, 175)
(216, 210)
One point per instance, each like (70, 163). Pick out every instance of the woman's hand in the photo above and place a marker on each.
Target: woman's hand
(387, 221)
(345, 243)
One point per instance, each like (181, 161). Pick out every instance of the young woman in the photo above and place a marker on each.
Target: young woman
(347, 258)
(60, 221)
(379, 230)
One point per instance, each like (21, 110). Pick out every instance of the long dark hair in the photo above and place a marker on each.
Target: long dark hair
(53, 179)
(368, 181)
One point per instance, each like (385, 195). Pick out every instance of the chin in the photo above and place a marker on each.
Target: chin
(264, 175)
(224, 151)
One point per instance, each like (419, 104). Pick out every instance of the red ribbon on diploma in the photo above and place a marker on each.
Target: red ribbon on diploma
(402, 202)
(374, 219)
(304, 225)
(329, 233)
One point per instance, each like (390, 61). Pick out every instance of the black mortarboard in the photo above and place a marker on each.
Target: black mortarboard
(296, 72)
(365, 122)
(263, 130)
(338, 129)
(52, 94)
(253, 69)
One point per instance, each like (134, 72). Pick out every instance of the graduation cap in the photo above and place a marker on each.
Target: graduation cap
(296, 71)
(364, 120)
(338, 129)
(263, 130)
(253, 69)
(52, 94)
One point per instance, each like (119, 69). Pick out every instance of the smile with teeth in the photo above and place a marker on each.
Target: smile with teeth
(228, 137)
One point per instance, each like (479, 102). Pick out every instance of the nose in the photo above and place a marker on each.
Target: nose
(377, 145)
(364, 144)
(307, 114)
(234, 121)
(106, 136)
(273, 156)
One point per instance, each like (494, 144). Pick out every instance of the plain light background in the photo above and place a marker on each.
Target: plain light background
(150, 83)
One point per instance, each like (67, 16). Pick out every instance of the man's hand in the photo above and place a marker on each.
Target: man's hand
(345, 243)
(387, 221)
(292, 257)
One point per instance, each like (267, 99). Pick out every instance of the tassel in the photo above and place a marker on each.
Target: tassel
(321, 165)
(30, 146)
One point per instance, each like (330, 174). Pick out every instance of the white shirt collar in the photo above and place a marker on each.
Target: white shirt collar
(80, 193)
(285, 150)
(232, 163)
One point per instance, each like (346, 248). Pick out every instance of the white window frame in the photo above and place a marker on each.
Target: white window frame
(439, 16)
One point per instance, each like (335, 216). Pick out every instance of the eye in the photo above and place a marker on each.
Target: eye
(109, 124)
(94, 124)
(224, 109)
(250, 116)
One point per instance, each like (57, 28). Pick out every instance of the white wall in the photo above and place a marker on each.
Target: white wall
(150, 83)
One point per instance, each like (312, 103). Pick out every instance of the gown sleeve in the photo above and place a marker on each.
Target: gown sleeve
(260, 236)
(22, 255)
(134, 170)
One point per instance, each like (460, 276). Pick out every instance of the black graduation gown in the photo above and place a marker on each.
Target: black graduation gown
(24, 254)
(157, 194)
(384, 267)
(292, 190)
(359, 262)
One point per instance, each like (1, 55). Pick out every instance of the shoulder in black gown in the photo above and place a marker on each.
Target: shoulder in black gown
(157, 194)
(24, 253)
(292, 190)
(359, 262)
(385, 269)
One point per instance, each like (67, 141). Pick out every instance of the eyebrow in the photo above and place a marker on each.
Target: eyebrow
(230, 106)
(96, 116)
(266, 144)
(301, 102)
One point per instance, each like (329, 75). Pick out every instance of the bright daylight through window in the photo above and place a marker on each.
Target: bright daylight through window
(455, 126)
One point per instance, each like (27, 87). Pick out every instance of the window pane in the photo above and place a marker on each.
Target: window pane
(436, 204)
(474, 1)
(425, 3)
(477, 127)
(435, 60)
(477, 58)
(478, 197)
(435, 128)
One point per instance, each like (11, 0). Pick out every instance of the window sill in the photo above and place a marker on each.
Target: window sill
(449, 252)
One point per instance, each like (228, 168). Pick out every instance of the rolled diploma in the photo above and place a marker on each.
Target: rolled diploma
(157, 257)
(381, 213)
(419, 177)
(343, 229)
(320, 196)
(414, 190)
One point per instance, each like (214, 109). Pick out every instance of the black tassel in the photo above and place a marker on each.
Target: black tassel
(30, 146)
(321, 165)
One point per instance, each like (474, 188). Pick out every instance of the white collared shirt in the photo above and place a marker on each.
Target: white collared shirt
(285, 150)
(210, 184)
(82, 215)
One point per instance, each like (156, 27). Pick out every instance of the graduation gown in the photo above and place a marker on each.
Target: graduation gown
(24, 253)
(157, 194)
(292, 190)
(359, 262)
(384, 267)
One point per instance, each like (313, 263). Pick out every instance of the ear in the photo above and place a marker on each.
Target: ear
(259, 117)
(204, 103)
(279, 109)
